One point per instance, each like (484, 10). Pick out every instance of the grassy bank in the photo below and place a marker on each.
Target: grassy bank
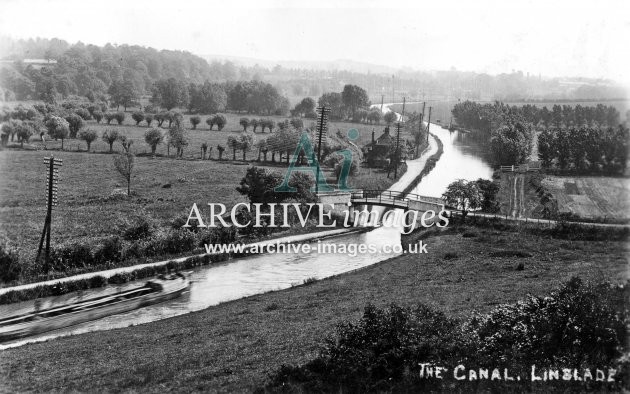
(232, 347)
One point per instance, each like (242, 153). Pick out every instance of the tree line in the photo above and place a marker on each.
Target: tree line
(509, 130)
(585, 149)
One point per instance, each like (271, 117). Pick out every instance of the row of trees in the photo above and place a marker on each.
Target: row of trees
(346, 104)
(486, 117)
(585, 149)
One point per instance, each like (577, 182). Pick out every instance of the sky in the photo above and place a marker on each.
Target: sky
(559, 38)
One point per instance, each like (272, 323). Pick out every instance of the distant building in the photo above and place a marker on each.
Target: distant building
(377, 151)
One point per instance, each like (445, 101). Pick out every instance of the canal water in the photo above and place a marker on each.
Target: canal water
(212, 285)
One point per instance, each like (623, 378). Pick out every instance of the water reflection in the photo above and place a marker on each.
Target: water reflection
(463, 158)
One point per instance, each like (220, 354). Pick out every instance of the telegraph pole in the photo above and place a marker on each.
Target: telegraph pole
(397, 151)
(322, 127)
(422, 116)
(382, 98)
(393, 90)
(429, 124)
(53, 165)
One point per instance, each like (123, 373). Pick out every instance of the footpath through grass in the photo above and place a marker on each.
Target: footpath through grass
(233, 346)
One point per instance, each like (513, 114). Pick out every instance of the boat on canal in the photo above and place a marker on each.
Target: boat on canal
(163, 288)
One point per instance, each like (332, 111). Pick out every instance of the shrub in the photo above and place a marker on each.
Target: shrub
(110, 252)
(177, 241)
(140, 229)
(70, 256)
(10, 268)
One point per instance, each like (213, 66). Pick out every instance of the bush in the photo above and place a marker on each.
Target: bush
(178, 241)
(141, 229)
(110, 252)
(578, 326)
(71, 256)
(10, 268)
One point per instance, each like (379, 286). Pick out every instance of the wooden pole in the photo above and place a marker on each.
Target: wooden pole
(429, 124)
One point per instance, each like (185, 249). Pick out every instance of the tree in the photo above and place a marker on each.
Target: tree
(177, 139)
(220, 121)
(137, 117)
(374, 116)
(220, 149)
(24, 131)
(120, 117)
(170, 93)
(390, 117)
(233, 144)
(546, 153)
(58, 128)
(98, 116)
(88, 136)
(109, 117)
(194, 121)
(305, 107)
(125, 143)
(246, 142)
(332, 100)
(297, 123)
(254, 123)
(488, 190)
(75, 123)
(463, 195)
(511, 143)
(353, 98)
(124, 165)
(244, 122)
(153, 137)
(258, 185)
(123, 93)
(149, 119)
(110, 136)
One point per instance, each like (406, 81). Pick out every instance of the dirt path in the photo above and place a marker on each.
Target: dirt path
(517, 196)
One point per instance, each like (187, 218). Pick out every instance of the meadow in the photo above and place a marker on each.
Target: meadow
(163, 188)
(233, 347)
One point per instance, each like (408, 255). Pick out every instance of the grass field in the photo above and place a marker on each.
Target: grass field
(86, 211)
(233, 346)
(591, 197)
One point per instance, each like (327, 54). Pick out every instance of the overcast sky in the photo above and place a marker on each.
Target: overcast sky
(572, 38)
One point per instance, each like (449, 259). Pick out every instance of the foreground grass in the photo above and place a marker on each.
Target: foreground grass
(233, 346)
